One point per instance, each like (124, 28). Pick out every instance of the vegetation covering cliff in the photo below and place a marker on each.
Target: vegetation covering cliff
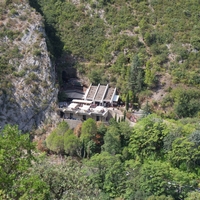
(27, 77)
(108, 39)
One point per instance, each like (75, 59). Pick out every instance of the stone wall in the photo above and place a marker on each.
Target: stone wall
(73, 123)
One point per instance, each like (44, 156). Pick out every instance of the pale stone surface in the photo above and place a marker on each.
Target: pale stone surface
(31, 99)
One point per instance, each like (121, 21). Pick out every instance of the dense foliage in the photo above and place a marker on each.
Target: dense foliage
(132, 42)
(156, 159)
(16, 157)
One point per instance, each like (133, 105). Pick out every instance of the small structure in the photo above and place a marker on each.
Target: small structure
(94, 104)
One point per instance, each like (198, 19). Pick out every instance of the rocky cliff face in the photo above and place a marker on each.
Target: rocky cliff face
(27, 78)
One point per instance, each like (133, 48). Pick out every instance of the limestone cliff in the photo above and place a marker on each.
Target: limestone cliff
(27, 78)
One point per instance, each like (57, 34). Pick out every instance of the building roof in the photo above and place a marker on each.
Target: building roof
(86, 110)
(109, 94)
(99, 109)
(115, 98)
(81, 101)
(72, 105)
(101, 93)
(91, 93)
(85, 107)
(75, 95)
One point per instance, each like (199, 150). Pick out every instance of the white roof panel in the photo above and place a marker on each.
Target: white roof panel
(81, 101)
(85, 107)
(116, 98)
(99, 109)
(72, 105)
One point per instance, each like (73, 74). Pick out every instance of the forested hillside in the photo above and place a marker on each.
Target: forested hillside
(139, 46)
(149, 50)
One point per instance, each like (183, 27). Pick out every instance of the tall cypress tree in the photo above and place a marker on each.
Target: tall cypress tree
(135, 76)
(133, 73)
(127, 101)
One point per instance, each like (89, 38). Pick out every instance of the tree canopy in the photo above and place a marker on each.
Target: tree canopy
(16, 157)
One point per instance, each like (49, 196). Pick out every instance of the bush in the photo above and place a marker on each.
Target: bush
(37, 52)
(33, 76)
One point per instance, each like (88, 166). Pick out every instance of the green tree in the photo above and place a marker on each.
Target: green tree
(195, 138)
(95, 76)
(58, 144)
(125, 132)
(16, 157)
(90, 148)
(115, 180)
(72, 144)
(113, 122)
(143, 25)
(32, 187)
(162, 197)
(107, 172)
(195, 41)
(139, 81)
(127, 101)
(101, 129)
(88, 133)
(184, 154)
(193, 196)
(135, 76)
(159, 178)
(149, 78)
(146, 108)
(147, 137)
(154, 177)
(186, 102)
(112, 141)
(50, 139)
(66, 178)
(62, 127)
(55, 141)
(88, 130)
(170, 137)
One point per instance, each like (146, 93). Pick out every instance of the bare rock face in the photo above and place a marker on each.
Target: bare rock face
(28, 93)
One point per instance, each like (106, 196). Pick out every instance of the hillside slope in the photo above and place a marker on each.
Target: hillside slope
(106, 38)
(27, 78)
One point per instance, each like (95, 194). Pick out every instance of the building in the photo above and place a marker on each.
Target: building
(94, 104)
(101, 95)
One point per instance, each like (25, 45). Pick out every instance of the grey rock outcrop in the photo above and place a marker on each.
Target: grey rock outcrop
(28, 93)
